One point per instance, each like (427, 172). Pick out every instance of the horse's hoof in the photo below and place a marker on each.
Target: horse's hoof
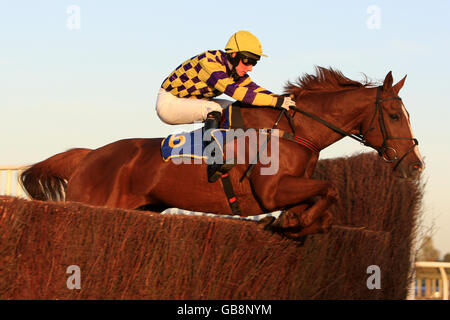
(327, 223)
(305, 220)
(333, 194)
(287, 219)
(266, 223)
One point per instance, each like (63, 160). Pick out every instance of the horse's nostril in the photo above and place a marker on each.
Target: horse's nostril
(417, 166)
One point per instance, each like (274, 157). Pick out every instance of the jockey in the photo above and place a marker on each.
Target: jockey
(188, 94)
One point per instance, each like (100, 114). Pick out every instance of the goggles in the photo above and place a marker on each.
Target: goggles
(249, 61)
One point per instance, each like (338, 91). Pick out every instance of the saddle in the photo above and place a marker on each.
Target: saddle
(191, 145)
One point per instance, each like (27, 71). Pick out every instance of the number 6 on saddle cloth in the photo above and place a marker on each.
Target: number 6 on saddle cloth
(190, 145)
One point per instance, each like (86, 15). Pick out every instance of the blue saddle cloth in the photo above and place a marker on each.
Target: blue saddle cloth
(191, 144)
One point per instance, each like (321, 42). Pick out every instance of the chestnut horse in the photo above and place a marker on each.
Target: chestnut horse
(131, 173)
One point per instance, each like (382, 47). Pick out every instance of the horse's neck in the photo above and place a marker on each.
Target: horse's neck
(345, 109)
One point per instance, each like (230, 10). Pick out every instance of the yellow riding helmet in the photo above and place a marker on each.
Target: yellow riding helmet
(244, 41)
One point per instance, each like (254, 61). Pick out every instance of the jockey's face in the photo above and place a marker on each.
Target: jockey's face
(242, 69)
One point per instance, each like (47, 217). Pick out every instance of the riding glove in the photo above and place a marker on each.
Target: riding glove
(285, 103)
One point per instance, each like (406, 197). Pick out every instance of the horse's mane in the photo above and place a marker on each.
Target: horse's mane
(325, 80)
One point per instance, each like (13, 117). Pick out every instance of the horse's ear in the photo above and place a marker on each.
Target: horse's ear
(387, 84)
(399, 85)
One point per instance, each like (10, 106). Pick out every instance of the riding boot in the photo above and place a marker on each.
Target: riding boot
(214, 170)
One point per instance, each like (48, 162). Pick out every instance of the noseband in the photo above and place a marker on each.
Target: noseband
(361, 138)
(384, 149)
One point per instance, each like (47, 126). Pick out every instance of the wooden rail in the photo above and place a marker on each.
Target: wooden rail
(9, 181)
(432, 280)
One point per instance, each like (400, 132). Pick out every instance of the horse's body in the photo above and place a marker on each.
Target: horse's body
(131, 173)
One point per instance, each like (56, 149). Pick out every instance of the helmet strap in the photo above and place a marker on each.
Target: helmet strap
(234, 61)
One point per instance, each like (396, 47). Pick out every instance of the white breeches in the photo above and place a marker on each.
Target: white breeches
(174, 110)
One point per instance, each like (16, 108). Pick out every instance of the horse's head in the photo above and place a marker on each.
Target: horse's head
(388, 130)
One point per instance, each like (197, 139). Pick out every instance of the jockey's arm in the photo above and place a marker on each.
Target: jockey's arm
(245, 90)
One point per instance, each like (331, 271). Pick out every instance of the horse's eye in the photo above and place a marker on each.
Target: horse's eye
(394, 116)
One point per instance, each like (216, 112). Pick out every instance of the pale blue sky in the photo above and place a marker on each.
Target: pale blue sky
(62, 88)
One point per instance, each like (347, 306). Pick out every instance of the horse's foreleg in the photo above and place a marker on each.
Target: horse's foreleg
(321, 225)
(292, 229)
(304, 218)
(312, 214)
(292, 191)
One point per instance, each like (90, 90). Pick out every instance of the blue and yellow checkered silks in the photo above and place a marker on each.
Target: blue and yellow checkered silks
(207, 75)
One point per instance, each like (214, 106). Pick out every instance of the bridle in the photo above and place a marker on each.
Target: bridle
(361, 138)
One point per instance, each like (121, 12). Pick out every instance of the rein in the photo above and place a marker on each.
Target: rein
(361, 138)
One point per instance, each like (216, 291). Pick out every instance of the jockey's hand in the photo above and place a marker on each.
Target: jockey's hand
(285, 103)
